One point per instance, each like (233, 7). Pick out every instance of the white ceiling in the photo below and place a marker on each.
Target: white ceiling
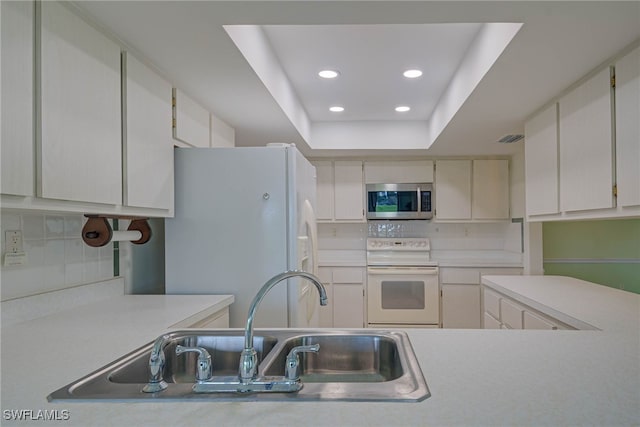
(559, 42)
(371, 59)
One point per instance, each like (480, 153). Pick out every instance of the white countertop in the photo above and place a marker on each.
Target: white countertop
(476, 377)
(342, 258)
(488, 259)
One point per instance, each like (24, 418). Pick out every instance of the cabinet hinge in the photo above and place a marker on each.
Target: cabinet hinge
(173, 101)
(173, 123)
(613, 81)
(615, 191)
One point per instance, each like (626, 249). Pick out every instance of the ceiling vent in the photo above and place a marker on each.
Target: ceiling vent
(510, 139)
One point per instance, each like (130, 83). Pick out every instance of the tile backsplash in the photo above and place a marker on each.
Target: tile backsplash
(57, 258)
(498, 236)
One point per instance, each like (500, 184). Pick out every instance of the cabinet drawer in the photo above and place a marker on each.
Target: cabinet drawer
(460, 275)
(491, 302)
(511, 314)
(532, 321)
(490, 322)
(348, 275)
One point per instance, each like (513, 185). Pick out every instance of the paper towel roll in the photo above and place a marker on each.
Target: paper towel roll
(126, 236)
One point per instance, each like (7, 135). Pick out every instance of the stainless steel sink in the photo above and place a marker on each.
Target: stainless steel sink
(224, 351)
(351, 365)
(343, 358)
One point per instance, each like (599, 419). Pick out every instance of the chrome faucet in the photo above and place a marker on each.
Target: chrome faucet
(156, 366)
(249, 359)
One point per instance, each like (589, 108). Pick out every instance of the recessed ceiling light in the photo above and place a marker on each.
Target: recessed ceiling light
(412, 74)
(328, 74)
(402, 109)
(336, 109)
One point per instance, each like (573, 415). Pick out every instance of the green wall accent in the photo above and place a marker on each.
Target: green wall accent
(605, 241)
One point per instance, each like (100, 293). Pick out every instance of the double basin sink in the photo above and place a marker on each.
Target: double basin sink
(350, 366)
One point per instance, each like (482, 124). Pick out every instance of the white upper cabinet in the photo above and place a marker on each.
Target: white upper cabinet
(339, 191)
(628, 129)
(148, 144)
(324, 190)
(17, 144)
(80, 140)
(583, 150)
(349, 190)
(191, 121)
(541, 162)
(453, 189)
(490, 189)
(472, 189)
(586, 148)
(398, 172)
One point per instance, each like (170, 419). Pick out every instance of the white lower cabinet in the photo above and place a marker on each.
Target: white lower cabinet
(345, 292)
(511, 314)
(462, 304)
(461, 295)
(503, 312)
(490, 322)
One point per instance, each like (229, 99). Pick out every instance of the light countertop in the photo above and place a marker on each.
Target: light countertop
(476, 377)
(342, 258)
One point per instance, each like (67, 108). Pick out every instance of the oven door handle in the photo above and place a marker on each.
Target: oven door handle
(403, 270)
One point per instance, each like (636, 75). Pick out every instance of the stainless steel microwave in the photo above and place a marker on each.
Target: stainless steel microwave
(400, 201)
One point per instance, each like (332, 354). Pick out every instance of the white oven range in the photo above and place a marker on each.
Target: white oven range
(402, 283)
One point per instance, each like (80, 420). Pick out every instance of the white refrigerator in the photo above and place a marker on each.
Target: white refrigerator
(243, 215)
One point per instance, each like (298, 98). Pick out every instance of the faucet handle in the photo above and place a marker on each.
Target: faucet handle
(205, 368)
(293, 361)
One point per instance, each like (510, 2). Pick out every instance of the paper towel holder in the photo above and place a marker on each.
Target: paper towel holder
(98, 232)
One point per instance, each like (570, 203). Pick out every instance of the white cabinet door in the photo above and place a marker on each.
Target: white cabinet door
(461, 306)
(324, 190)
(348, 305)
(349, 190)
(490, 189)
(586, 151)
(191, 121)
(325, 312)
(80, 147)
(541, 162)
(490, 322)
(453, 189)
(628, 129)
(511, 314)
(17, 144)
(345, 292)
(148, 145)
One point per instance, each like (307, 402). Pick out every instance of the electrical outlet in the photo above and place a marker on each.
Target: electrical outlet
(13, 241)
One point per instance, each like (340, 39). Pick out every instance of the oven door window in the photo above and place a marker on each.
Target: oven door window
(402, 295)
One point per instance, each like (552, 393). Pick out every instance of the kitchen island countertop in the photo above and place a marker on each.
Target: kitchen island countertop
(476, 377)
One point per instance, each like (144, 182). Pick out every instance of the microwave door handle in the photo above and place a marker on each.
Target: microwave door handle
(419, 195)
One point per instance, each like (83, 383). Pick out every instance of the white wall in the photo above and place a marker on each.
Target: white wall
(57, 256)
